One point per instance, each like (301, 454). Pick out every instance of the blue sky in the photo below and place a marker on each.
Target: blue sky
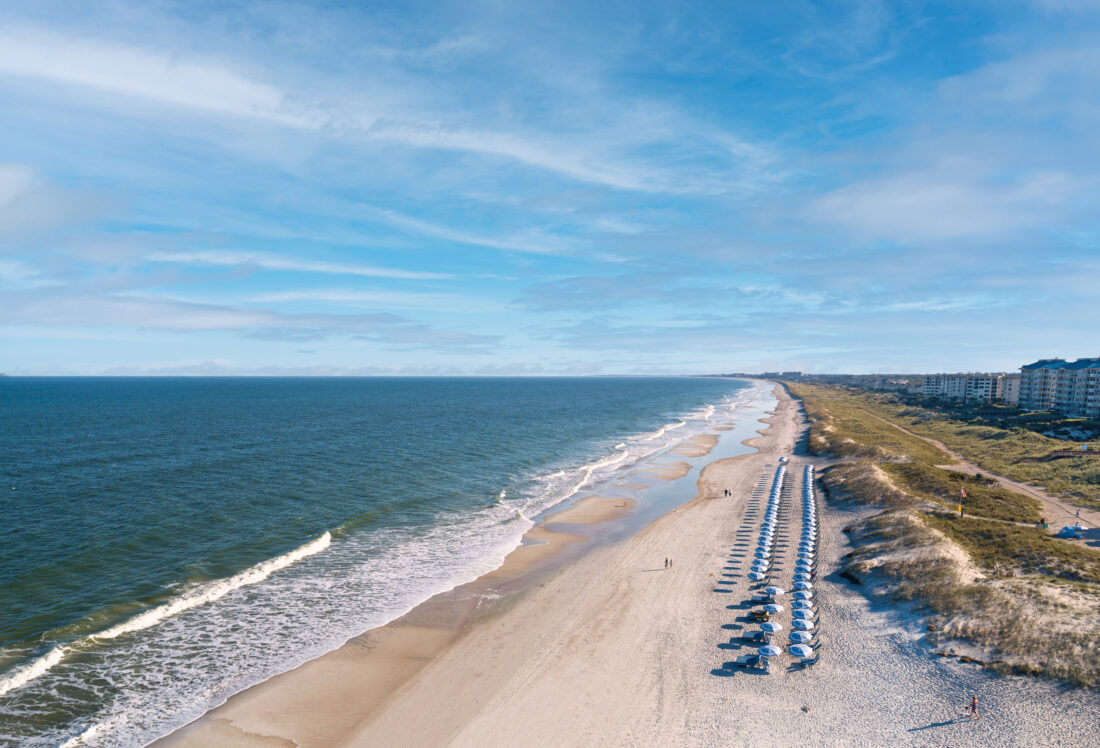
(547, 188)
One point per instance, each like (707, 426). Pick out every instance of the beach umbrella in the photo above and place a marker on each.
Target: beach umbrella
(774, 591)
(769, 650)
(802, 605)
(801, 577)
(802, 624)
(760, 553)
(803, 613)
(755, 576)
(773, 608)
(759, 566)
(803, 568)
(771, 627)
(803, 585)
(803, 595)
(800, 650)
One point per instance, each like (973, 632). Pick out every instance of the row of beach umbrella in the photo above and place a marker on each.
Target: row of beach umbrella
(802, 612)
(805, 564)
(762, 558)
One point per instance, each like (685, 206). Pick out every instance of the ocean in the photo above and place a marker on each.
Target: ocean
(168, 542)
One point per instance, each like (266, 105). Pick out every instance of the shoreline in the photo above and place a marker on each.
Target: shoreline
(362, 675)
(611, 648)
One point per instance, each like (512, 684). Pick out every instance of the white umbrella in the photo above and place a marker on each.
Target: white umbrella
(801, 577)
(802, 624)
(769, 650)
(771, 627)
(755, 576)
(773, 608)
(761, 553)
(802, 605)
(800, 650)
(759, 567)
(774, 591)
(803, 585)
(803, 595)
(802, 613)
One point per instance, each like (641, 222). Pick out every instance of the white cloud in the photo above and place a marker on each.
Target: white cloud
(15, 180)
(436, 301)
(943, 204)
(275, 262)
(213, 86)
(142, 73)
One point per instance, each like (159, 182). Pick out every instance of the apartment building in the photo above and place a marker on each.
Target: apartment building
(1010, 389)
(962, 386)
(1071, 388)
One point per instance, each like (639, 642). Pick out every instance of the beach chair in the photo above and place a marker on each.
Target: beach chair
(753, 636)
(760, 615)
(747, 661)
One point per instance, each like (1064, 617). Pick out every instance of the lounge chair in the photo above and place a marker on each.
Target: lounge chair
(748, 661)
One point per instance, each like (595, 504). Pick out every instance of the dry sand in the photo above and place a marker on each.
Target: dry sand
(613, 649)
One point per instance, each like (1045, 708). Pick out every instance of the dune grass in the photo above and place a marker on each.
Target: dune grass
(1020, 550)
(1029, 598)
(945, 488)
(997, 449)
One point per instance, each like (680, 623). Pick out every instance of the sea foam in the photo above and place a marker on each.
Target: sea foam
(204, 593)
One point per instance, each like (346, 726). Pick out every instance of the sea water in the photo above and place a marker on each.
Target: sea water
(165, 543)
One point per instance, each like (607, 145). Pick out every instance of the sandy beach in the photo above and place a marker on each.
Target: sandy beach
(605, 646)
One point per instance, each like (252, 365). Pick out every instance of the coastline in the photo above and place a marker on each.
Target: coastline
(608, 647)
(323, 700)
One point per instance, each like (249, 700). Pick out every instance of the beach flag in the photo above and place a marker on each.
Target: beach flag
(962, 491)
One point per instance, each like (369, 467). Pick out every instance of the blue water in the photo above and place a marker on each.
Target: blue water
(168, 542)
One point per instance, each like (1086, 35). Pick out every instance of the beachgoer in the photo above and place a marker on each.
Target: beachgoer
(1078, 514)
(974, 707)
(666, 563)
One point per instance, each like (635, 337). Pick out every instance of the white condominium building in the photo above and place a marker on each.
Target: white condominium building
(1071, 388)
(962, 386)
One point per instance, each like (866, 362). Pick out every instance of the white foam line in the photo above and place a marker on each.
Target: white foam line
(30, 671)
(667, 427)
(210, 592)
(203, 594)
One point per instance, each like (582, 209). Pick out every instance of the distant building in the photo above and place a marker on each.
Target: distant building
(1010, 389)
(982, 387)
(1071, 388)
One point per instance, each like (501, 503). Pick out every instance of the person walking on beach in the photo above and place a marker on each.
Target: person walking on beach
(666, 563)
(974, 707)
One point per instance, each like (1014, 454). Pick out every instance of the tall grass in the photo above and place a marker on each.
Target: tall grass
(981, 577)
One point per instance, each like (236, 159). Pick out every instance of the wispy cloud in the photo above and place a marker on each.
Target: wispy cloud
(279, 263)
(388, 299)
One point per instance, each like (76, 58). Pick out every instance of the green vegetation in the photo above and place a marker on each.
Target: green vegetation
(841, 426)
(945, 488)
(991, 577)
(1007, 548)
(996, 449)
